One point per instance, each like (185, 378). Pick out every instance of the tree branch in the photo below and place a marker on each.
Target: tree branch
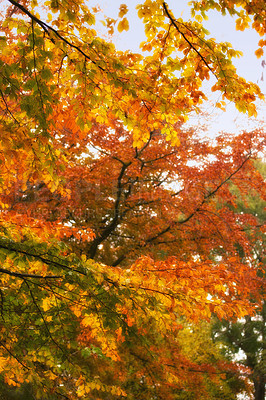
(13, 355)
(191, 215)
(22, 275)
(47, 28)
(173, 21)
(113, 224)
(47, 261)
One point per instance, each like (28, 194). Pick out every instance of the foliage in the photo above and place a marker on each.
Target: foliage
(197, 344)
(92, 146)
(248, 334)
(159, 199)
(85, 328)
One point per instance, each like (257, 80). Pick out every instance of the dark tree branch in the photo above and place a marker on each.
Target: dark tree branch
(115, 221)
(120, 190)
(174, 22)
(191, 215)
(119, 260)
(161, 157)
(45, 323)
(22, 275)
(47, 28)
(13, 355)
(48, 261)
(7, 108)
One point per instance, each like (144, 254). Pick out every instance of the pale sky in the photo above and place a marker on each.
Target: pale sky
(222, 29)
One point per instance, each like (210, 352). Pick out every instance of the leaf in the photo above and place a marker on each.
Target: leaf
(46, 304)
(259, 53)
(123, 10)
(123, 25)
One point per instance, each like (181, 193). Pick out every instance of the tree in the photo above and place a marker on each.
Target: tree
(248, 334)
(83, 128)
(198, 345)
(159, 198)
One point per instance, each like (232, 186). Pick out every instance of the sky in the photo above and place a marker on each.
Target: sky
(223, 29)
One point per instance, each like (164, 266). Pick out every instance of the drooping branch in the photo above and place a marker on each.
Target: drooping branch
(13, 355)
(44, 321)
(11, 246)
(7, 108)
(174, 23)
(47, 28)
(22, 275)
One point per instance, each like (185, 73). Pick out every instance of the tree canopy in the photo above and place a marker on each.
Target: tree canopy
(118, 230)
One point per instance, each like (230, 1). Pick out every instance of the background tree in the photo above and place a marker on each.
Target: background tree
(198, 345)
(248, 334)
(155, 200)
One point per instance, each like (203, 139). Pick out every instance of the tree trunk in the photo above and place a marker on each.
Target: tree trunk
(259, 388)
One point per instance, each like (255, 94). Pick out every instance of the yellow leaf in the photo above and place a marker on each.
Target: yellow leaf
(123, 9)
(175, 141)
(2, 363)
(50, 375)
(123, 25)
(46, 304)
(259, 53)
(199, 18)
(81, 391)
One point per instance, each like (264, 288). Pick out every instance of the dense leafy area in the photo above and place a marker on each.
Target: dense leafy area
(118, 228)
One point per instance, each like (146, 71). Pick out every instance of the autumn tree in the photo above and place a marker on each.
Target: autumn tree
(248, 334)
(159, 201)
(197, 344)
(98, 171)
(155, 200)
